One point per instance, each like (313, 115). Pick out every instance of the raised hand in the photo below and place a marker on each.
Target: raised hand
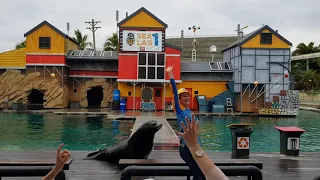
(169, 69)
(62, 157)
(191, 132)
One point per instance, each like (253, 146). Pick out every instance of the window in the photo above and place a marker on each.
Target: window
(151, 66)
(129, 93)
(44, 42)
(195, 92)
(266, 38)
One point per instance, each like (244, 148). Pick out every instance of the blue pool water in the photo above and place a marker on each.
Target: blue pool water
(19, 131)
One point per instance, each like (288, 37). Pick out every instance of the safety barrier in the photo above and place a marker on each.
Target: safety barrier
(30, 171)
(253, 173)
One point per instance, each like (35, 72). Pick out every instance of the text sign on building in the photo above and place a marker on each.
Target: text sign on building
(141, 40)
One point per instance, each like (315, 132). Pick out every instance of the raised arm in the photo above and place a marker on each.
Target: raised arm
(174, 90)
(61, 159)
(208, 168)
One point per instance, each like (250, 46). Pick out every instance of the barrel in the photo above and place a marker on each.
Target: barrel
(123, 103)
(116, 95)
(116, 104)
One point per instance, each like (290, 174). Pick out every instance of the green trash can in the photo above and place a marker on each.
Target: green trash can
(290, 140)
(240, 139)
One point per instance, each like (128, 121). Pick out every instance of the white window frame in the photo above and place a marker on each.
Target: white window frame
(156, 65)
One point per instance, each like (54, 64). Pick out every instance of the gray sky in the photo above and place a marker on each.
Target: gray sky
(296, 20)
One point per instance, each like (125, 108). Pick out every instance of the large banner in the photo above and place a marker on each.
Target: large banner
(141, 40)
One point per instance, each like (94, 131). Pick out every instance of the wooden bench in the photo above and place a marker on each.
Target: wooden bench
(123, 163)
(25, 168)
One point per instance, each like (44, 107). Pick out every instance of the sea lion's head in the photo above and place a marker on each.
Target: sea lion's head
(150, 127)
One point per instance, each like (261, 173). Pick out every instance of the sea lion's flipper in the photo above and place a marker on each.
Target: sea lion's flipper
(92, 155)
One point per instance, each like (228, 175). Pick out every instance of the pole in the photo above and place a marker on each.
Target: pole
(93, 29)
(117, 19)
(68, 28)
(182, 33)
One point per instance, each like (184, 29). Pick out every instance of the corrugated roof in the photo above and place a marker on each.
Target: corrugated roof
(203, 45)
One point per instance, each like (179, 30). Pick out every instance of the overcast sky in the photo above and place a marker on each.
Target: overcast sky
(296, 20)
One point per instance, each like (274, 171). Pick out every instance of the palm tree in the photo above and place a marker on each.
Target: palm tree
(304, 49)
(82, 40)
(112, 43)
(21, 45)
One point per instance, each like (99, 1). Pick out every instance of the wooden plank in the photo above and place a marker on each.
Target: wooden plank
(164, 137)
(30, 162)
(275, 165)
(179, 162)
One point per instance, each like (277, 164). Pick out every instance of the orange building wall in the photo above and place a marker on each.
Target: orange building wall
(13, 58)
(255, 42)
(142, 19)
(57, 41)
(69, 45)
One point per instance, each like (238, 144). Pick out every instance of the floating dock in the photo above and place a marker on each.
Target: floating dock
(165, 138)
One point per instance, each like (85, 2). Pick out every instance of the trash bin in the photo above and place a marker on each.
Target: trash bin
(240, 139)
(290, 140)
(123, 104)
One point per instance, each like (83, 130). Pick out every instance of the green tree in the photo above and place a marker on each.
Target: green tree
(306, 79)
(21, 45)
(81, 39)
(112, 43)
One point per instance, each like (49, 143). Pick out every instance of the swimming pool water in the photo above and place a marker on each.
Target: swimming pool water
(19, 131)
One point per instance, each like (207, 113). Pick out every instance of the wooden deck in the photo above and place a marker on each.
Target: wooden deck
(275, 166)
(165, 138)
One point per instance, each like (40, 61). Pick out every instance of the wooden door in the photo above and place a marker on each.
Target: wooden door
(158, 99)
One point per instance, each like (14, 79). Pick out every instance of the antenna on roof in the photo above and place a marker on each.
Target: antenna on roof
(240, 32)
(194, 51)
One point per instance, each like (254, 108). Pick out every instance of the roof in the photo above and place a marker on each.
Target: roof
(89, 54)
(137, 12)
(172, 46)
(52, 27)
(203, 45)
(202, 67)
(249, 36)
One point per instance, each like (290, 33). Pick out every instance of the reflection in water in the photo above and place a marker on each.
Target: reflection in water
(94, 123)
(35, 122)
(29, 131)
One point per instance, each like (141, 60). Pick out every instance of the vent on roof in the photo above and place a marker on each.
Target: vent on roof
(76, 53)
(224, 66)
(219, 66)
(97, 53)
(107, 53)
(86, 53)
(214, 65)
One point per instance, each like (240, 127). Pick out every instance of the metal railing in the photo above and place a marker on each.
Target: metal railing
(253, 173)
(28, 171)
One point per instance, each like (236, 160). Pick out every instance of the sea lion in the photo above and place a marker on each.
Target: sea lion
(138, 146)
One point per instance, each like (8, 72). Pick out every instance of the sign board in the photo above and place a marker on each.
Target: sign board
(141, 40)
(243, 143)
(293, 143)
